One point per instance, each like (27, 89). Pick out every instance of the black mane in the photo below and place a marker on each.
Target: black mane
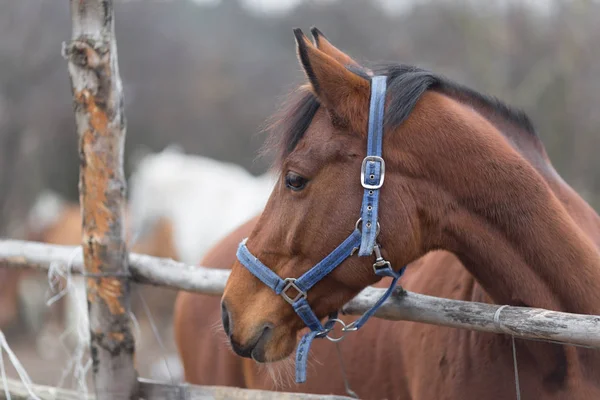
(405, 85)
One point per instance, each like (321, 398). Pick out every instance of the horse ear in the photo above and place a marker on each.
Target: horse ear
(344, 93)
(326, 47)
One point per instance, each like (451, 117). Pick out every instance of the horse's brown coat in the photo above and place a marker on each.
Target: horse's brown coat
(460, 177)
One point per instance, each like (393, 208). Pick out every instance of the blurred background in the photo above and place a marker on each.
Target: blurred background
(207, 74)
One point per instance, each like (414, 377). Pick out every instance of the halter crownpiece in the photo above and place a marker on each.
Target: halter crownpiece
(363, 238)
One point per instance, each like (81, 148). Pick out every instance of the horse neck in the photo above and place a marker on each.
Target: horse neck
(544, 260)
(532, 149)
(524, 235)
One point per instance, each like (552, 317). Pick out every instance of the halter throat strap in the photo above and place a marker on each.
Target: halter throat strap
(363, 238)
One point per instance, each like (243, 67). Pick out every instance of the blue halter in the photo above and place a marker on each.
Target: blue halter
(362, 238)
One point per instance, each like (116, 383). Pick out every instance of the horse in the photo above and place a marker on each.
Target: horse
(203, 198)
(208, 360)
(464, 173)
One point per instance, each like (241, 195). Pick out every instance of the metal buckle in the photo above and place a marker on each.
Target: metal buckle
(356, 226)
(359, 223)
(291, 283)
(363, 170)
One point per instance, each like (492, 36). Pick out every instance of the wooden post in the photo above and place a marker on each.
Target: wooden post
(98, 104)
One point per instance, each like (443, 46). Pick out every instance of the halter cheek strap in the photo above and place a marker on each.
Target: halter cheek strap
(372, 171)
(294, 290)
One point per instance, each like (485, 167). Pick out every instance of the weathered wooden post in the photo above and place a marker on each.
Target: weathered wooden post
(99, 114)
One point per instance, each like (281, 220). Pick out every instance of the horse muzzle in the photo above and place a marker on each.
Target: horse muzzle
(253, 348)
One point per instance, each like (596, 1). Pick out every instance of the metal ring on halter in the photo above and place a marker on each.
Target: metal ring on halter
(335, 339)
(360, 222)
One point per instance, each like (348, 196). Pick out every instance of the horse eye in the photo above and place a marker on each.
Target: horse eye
(295, 181)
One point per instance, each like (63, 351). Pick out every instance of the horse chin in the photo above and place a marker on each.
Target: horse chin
(259, 357)
(278, 348)
(259, 351)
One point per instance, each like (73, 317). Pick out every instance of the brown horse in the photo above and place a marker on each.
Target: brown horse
(464, 173)
(208, 360)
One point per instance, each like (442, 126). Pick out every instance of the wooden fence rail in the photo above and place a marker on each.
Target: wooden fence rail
(522, 322)
(151, 390)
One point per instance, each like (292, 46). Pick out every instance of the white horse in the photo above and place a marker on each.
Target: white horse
(203, 198)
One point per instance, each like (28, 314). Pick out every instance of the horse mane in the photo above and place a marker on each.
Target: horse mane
(406, 84)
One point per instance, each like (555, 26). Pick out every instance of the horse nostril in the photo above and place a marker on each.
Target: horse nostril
(225, 319)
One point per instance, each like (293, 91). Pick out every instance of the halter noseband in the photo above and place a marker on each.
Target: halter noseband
(362, 239)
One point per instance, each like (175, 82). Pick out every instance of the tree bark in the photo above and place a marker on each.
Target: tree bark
(99, 114)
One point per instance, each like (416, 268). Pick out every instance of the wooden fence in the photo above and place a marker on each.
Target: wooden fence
(109, 268)
(152, 390)
(521, 322)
